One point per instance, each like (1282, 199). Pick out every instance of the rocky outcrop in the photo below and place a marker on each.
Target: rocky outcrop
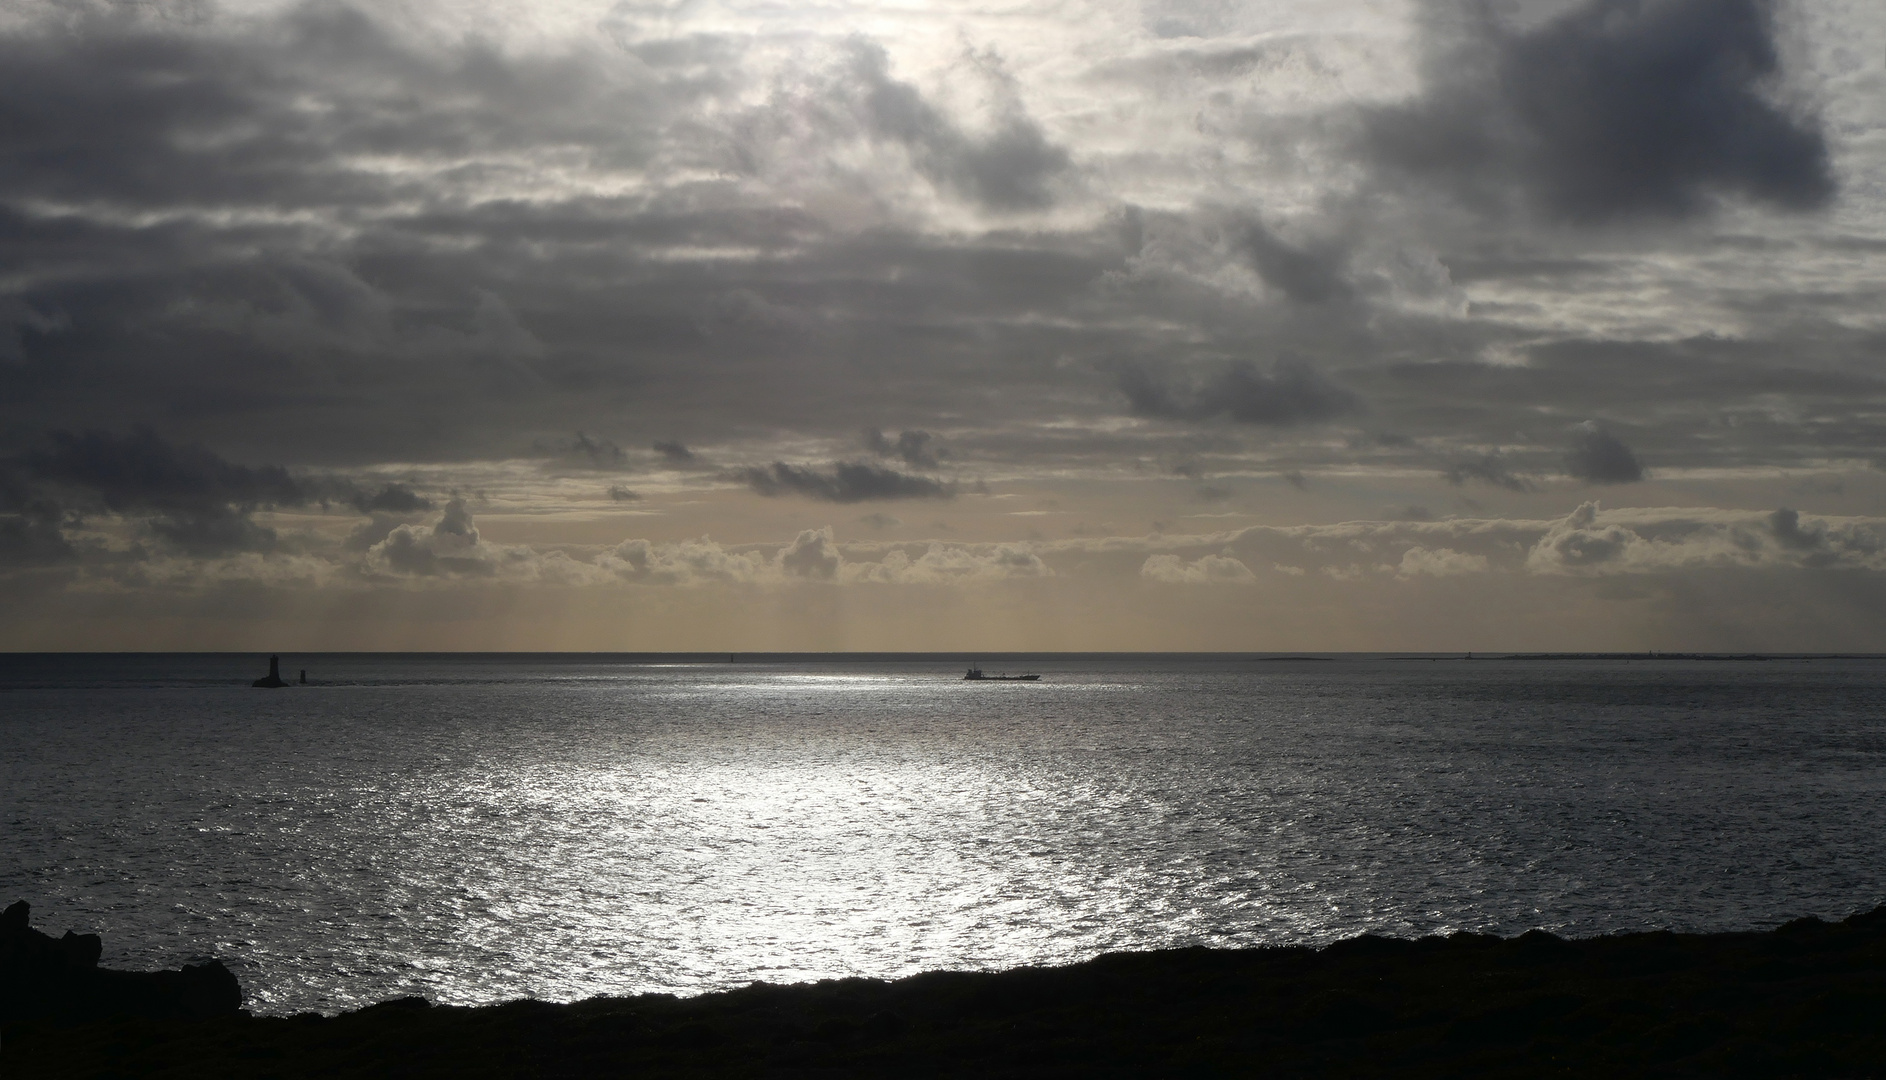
(48, 978)
(1804, 1000)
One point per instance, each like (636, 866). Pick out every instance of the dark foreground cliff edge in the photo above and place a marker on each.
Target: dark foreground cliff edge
(1807, 999)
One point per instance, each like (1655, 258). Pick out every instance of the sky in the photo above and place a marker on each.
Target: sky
(887, 325)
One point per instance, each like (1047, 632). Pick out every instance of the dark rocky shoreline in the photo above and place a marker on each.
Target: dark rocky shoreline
(1807, 999)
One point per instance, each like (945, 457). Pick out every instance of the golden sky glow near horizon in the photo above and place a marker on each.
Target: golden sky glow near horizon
(721, 325)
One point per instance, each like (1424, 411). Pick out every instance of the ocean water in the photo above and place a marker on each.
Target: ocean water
(478, 828)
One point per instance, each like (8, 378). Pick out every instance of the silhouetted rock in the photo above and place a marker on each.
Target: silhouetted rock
(274, 676)
(48, 978)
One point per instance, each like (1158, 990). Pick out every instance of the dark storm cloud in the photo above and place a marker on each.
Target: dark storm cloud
(142, 471)
(1599, 457)
(1012, 167)
(187, 496)
(183, 495)
(846, 482)
(1292, 392)
(1615, 108)
(917, 448)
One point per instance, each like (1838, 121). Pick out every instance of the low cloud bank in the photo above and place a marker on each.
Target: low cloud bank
(1204, 570)
(446, 546)
(1590, 542)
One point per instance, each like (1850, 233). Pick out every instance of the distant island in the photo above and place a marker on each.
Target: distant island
(1805, 999)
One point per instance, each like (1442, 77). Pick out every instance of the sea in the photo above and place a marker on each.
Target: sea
(477, 828)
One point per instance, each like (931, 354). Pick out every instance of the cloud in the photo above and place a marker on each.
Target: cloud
(1613, 109)
(814, 555)
(1598, 457)
(391, 498)
(451, 550)
(450, 545)
(143, 471)
(1010, 167)
(333, 235)
(1488, 468)
(949, 564)
(1579, 543)
(346, 241)
(880, 520)
(916, 447)
(1304, 276)
(1785, 525)
(846, 482)
(673, 453)
(1346, 562)
(1588, 542)
(1204, 570)
(811, 555)
(618, 493)
(687, 563)
(32, 530)
(1291, 392)
(1439, 562)
(185, 495)
(590, 452)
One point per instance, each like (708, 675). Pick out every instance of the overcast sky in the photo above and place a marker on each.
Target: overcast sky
(987, 324)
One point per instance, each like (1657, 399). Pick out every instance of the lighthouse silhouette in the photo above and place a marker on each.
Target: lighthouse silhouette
(274, 676)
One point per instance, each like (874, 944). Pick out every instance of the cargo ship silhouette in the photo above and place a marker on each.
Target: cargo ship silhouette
(975, 675)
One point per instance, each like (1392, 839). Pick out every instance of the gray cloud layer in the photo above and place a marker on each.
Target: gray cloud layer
(317, 237)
